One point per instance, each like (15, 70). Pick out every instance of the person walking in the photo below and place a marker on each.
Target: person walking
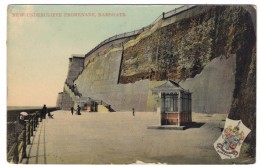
(133, 111)
(72, 110)
(78, 110)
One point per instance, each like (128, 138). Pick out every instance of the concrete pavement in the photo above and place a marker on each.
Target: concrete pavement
(120, 138)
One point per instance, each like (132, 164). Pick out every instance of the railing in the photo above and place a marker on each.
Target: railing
(177, 10)
(74, 95)
(137, 32)
(19, 132)
(23, 139)
(77, 98)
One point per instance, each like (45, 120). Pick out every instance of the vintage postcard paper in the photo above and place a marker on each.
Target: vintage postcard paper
(131, 84)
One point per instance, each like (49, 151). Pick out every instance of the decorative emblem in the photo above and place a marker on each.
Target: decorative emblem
(229, 143)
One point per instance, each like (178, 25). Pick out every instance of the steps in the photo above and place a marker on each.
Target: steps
(74, 97)
(78, 100)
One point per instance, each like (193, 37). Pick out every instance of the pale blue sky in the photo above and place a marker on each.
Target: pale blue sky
(39, 47)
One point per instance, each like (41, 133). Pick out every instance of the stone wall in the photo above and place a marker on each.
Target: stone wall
(184, 45)
(67, 101)
(76, 65)
(59, 100)
(99, 81)
(212, 89)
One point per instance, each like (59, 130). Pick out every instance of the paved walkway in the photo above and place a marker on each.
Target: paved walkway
(120, 138)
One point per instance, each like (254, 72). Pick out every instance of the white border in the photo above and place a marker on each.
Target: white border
(3, 60)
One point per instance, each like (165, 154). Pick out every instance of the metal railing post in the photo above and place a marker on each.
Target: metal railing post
(37, 119)
(35, 122)
(31, 127)
(29, 133)
(24, 142)
(16, 154)
(40, 117)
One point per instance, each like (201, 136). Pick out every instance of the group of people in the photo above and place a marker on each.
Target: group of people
(78, 110)
(45, 111)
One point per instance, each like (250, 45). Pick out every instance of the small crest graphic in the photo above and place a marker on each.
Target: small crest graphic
(229, 143)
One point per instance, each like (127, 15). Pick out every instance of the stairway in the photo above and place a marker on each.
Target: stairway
(79, 100)
(74, 97)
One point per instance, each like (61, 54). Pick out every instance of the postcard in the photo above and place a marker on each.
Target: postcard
(131, 84)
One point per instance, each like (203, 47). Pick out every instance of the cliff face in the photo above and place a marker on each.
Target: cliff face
(210, 50)
(244, 96)
(182, 49)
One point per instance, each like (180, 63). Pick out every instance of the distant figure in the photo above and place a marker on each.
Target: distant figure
(44, 111)
(78, 110)
(133, 111)
(72, 110)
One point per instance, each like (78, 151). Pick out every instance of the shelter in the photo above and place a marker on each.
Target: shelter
(174, 104)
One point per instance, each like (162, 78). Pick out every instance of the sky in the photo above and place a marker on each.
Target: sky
(39, 47)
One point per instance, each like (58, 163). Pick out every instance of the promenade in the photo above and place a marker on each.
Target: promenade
(120, 138)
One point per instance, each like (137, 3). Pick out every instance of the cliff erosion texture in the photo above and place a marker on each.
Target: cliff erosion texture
(181, 49)
(210, 50)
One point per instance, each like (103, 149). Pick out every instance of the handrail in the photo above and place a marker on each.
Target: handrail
(71, 92)
(139, 31)
(23, 139)
(76, 98)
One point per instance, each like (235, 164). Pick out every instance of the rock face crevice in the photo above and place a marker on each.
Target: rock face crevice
(244, 97)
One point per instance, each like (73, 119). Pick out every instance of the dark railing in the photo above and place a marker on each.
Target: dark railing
(137, 32)
(23, 139)
(74, 90)
(100, 102)
(19, 132)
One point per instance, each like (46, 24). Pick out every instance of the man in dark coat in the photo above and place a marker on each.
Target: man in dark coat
(44, 111)
(78, 110)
